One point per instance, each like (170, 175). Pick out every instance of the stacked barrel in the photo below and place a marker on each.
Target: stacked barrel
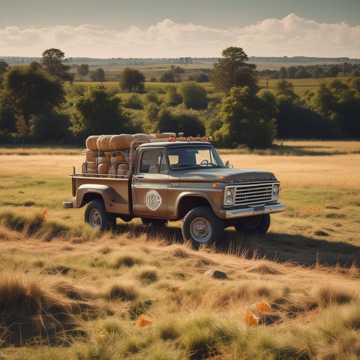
(108, 155)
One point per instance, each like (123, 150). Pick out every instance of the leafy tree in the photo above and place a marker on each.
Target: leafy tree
(244, 120)
(302, 73)
(172, 97)
(83, 70)
(324, 101)
(190, 124)
(268, 105)
(3, 67)
(347, 116)
(34, 65)
(194, 96)
(338, 87)
(134, 102)
(101, 113)
(355, 84)
(50, 127)
(98, 75)
(151, 113)
(177, 69)
(186, 122)
(283, 74)
(233, 70)
(53, 62)
(166, 121)
(7, 117)
(333, 71)
(152, 97)
(31, 92)
(168, 77)
(286, 88)
(292, 72)
(201, 77)
(132, 80)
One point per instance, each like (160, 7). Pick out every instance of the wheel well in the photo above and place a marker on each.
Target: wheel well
(190, 202)
(90, 197)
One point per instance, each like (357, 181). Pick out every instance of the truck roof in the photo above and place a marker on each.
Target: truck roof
(174, 143)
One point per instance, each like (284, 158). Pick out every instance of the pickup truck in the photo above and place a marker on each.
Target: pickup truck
(180, 180)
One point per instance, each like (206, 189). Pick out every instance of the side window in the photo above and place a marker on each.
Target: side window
(152, 162)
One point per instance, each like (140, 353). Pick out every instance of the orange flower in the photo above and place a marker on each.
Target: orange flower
(143, 321)
(263, 307)
(45, 214)
(251, 319)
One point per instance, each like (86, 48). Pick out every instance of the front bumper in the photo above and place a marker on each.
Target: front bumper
(252, 211)
(68, 205)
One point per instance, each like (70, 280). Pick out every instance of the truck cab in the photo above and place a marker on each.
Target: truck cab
(181, 180)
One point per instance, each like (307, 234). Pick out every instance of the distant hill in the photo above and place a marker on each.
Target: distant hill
(262, 62)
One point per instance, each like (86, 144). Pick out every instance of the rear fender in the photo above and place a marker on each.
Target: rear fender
(88, 192)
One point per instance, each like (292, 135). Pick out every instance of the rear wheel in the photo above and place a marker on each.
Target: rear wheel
(202, 227)
(97, 217)
(258, 224)
(154, 222)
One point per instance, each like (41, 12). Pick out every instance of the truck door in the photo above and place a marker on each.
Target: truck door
(150, 184)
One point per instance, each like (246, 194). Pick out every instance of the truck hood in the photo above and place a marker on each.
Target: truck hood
(224, 175)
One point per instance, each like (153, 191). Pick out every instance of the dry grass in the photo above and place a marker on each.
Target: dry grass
(307, 269)
(30, 313)
(192, 316)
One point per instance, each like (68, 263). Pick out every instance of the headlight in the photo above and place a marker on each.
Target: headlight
(229, 195)
(276, 191)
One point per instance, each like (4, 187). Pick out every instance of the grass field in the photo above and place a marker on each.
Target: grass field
(301, 86)
(139, 294)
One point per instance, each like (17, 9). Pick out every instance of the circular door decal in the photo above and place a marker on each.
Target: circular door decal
(153, 200)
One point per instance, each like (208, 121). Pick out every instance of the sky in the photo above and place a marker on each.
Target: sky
(173, 28)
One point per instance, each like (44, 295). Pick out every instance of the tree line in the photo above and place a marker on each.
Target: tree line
(313, 71)
(40, 104)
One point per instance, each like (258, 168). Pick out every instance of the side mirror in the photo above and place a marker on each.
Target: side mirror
(228, 165)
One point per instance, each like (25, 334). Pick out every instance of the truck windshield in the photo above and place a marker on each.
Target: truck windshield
(182, 158)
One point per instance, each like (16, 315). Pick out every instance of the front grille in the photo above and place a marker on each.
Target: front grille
(253, 194)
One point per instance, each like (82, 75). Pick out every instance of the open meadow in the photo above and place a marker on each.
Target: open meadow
(301, 86)
(136, 293)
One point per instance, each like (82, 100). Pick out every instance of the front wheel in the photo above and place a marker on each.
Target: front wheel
(97, 217)
(258, 224)
(202, 227)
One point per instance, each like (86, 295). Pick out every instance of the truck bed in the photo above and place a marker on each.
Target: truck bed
(118, 190)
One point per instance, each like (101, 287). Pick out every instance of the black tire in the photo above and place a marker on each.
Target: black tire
(258, 224)
(213, 227)
(156, 223)
(97, 217)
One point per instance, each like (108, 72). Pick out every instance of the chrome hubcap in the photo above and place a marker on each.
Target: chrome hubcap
(95, 219)
(200, 230)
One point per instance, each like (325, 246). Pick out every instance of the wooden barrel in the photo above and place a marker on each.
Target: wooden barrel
(91, 167)
(113, 170)
(165, 135)
(90, 155)
(118, 157)
(120, 142)
(142, 137)
(123, 169)
(103, 143)
(91, 142)
(103, 168)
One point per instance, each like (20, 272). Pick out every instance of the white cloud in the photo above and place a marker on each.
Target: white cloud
(291, 35)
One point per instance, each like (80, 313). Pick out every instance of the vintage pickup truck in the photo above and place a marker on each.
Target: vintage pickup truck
(180, 180)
